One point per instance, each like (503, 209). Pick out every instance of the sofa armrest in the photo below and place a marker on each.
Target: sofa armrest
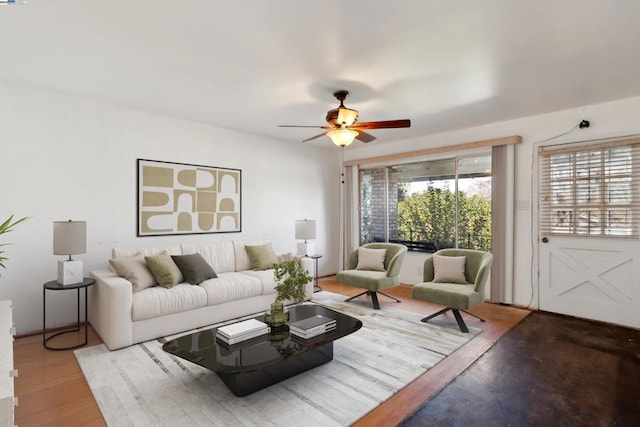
(110, 302)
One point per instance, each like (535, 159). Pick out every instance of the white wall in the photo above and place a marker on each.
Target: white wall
(607, 120)
(67, 158)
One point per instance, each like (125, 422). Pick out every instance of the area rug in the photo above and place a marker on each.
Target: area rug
(142, 385)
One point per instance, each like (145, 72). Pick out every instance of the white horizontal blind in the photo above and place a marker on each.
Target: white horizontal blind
(591, 189)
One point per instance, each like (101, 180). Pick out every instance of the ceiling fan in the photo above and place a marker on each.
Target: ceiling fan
(343, 126)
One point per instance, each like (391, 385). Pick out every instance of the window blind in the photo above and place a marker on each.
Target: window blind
(591, 189)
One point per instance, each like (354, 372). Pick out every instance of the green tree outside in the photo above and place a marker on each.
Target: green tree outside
(430, 216)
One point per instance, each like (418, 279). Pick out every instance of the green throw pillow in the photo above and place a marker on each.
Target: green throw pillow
(262, 257)
(164, 269)
(194, 268)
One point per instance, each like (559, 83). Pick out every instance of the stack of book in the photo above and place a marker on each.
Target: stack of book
(312, 326)
(241, 331)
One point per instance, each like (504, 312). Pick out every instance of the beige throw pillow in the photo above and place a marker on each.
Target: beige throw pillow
(135, 270)
(371, 259)
(164, 269)
(449, 269)
(262, 257)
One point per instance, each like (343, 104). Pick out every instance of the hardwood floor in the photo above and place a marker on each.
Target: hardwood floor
(53, 392)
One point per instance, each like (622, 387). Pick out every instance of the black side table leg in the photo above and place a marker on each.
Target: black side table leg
(44, 317)
(86, 317)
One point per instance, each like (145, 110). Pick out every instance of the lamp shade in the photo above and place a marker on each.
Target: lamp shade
(69, 237)
(305, 229)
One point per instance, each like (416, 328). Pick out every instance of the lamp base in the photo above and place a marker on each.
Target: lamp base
(70, 272)
(306, 249)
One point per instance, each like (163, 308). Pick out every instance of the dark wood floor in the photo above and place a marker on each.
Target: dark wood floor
(549, 370)
(53, 392)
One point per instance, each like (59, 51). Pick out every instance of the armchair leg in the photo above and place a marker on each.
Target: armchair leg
(374, 298)
(389, 296)
(474, 315)
(431, 316)
(356, 296)
(460, 320)
(457, 315)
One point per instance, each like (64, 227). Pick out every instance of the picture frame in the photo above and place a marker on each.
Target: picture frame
(181, 198)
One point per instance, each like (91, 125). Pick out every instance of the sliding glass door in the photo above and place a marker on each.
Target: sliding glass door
(428, 205)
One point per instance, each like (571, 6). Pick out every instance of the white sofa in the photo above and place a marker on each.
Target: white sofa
(123, 317)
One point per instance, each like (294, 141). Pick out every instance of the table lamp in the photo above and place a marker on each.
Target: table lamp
(305, 230)
(69, 238)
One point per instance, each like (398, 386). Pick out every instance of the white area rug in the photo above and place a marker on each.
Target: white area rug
(142, 385)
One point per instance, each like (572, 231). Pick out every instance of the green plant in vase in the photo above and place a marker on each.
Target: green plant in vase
(290, 280)
(6, 227)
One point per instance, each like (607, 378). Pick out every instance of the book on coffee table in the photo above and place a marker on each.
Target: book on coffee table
(241, 331)
(314, 332)
(322, 337)
(240, 338)
(312, 326)
(237, 344)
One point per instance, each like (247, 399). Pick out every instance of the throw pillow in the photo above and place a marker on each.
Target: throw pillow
(371, 259)
(194, 268)
(449, 269)
(164, 269)
(262, 257)
(135, 270)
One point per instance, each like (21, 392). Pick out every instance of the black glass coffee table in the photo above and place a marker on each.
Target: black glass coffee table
(252, 365)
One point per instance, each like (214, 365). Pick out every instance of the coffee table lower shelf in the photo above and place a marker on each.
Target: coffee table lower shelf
(245, 383)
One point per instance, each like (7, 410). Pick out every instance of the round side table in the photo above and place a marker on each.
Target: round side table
(315, 275)
(55, 286)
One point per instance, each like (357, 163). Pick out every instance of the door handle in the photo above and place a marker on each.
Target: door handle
(545, 240)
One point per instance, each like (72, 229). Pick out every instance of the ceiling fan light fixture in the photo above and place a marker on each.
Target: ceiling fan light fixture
(342, 137)
(347, 116)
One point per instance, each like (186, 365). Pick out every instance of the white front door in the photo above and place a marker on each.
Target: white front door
(592, 278)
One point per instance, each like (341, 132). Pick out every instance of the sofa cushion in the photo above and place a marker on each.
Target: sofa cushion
(262, 257)
(158, 301)
(231, 286)
(243, 262)
(265, 277)
(194, 268)
(219, 255)
(164, 269)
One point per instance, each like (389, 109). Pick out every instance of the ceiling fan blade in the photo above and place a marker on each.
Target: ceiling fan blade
(365, 137)
(386, 124)
(314, 137)
(296, 126)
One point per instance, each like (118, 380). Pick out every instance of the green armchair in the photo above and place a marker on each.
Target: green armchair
(374, 280)
(456, 296)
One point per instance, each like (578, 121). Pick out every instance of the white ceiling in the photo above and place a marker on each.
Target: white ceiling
(254, 64)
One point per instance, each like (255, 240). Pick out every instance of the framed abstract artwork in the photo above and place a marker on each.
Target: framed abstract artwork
(179, 198)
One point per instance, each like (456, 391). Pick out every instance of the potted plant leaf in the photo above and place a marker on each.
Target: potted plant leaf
(6, 227)
(290, 279)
